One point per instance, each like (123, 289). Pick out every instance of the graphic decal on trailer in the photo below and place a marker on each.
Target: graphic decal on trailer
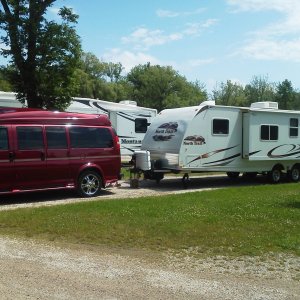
(285, 150)
(165, 131)
(290, 150)
(209, 154)
(194, 140)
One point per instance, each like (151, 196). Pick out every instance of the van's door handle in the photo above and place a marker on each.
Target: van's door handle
(43, 156)
(11, 156)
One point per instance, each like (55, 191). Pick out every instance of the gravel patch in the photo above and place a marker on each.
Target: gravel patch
(31, 270)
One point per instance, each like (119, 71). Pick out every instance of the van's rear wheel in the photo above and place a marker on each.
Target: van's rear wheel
(89, 184)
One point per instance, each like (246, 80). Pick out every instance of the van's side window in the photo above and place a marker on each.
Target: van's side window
(269, 132)
(141, 125)
(90, 137)
(220, 126)
(30, 137)
(56, 137)
(3, 138)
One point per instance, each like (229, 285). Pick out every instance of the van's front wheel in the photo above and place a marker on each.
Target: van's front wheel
(89, 184)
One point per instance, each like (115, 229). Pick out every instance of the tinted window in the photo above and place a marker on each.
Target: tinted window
(293, 127)
(90, 137)
(3, 139)
(141, 125)
(294, 122)
(30, 138)
(56, 137)
(220, 126)
(269, 132)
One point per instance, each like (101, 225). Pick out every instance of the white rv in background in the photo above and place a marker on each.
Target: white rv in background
(129, 120)
(250, 140)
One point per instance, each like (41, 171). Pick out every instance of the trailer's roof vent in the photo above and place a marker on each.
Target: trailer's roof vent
(128, 102)
(208, 102)
(264, 105)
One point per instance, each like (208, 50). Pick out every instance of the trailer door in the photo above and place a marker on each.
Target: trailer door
(246, 134)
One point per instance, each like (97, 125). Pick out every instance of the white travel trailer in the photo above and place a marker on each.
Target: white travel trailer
(129, 120)
(209, 137)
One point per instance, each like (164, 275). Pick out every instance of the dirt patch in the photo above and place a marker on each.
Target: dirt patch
(31, 270)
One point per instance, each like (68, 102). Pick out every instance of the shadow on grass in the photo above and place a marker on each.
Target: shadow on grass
(293, 204)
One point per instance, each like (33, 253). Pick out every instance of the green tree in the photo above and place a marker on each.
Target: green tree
(229, 93)
(92, 66)
(285, 95)
(44, 53)
(92, 79)
(296, 104)
(113, 71)
(5, 85)
(260, 89)
(161, 87)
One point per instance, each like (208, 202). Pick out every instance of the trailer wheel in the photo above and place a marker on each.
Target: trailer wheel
(185, 181)
(89, 184)
(294, 174)
(233, 175)
(275, 175)
(250, 175)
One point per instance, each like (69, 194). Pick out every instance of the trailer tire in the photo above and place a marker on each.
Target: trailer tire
(250, 175)
(275, 175)
(186, 181)
(233, 175)
(89, 184)
(294, 174)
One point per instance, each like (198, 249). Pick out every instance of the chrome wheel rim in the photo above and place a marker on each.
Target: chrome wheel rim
(90, 184)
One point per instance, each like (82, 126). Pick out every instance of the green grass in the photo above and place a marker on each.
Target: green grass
(234, 221)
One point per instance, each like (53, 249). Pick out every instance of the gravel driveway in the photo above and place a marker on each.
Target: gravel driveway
(32, 270)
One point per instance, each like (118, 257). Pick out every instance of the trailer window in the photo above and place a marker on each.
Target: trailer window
(269, 132)
(30, 137)
(56, 137)
(141, 125)
(3, 139)
(90, 137)
(294, 127)
(220, 126)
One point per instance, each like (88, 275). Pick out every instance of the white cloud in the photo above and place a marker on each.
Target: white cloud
(200, 62)
(262, 49)
(195, 29)
(259, 5)
(278, 40)
(172, 14)
(54, 10)
(144, 38)
(129, 59)
(167, 13)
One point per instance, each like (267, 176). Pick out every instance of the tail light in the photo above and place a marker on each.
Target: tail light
(117, 141)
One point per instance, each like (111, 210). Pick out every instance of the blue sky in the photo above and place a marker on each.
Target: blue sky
(206, 40)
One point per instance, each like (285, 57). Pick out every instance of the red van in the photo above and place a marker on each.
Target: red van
(42, 149)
